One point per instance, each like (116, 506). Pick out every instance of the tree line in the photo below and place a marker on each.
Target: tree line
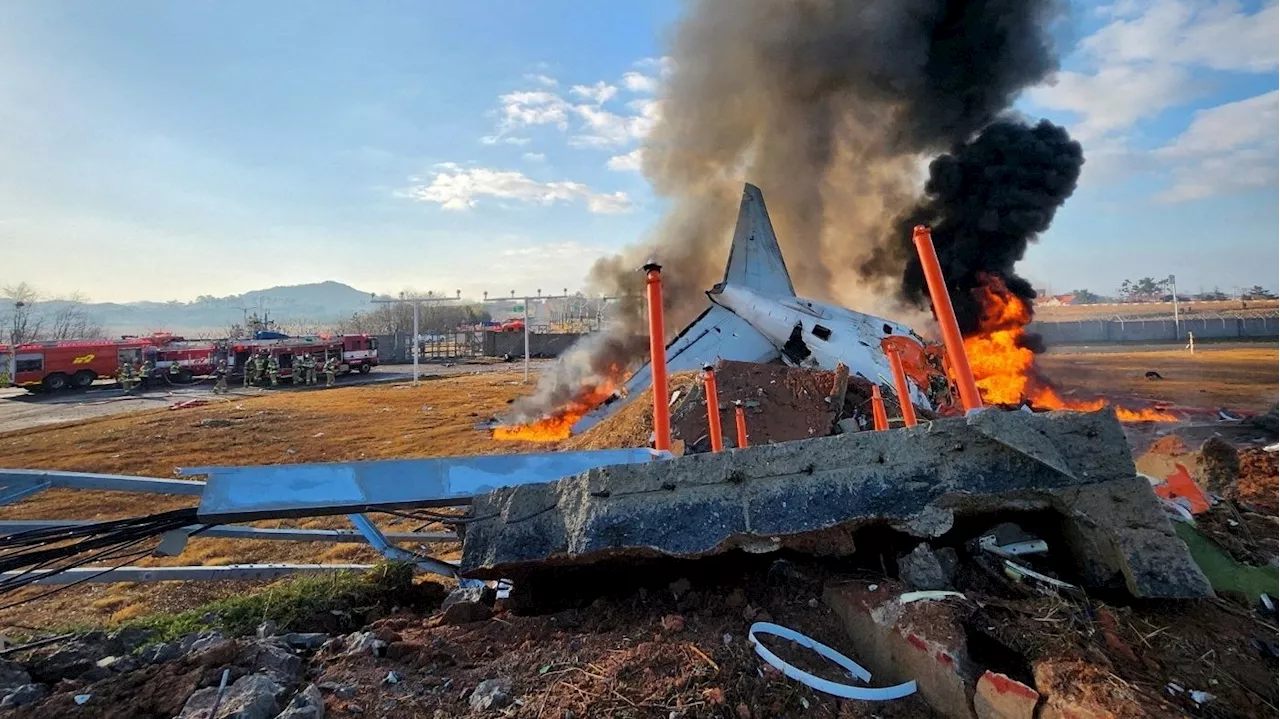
(1150, 289)
(25, 319)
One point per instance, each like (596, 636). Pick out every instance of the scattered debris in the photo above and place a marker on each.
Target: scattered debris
(846, 691)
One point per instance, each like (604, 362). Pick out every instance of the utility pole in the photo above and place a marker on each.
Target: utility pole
(1177, 332)
(13, 344)
(417, 302)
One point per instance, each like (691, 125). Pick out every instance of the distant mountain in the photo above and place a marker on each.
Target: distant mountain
(297, 308)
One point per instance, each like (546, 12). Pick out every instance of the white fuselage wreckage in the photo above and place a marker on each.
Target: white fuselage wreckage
(755, 316)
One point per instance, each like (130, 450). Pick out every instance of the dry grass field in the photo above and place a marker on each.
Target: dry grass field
(435, 419)
(1242, 378)
(376, 422)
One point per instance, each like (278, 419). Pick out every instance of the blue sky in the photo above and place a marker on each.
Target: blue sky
(159, 150)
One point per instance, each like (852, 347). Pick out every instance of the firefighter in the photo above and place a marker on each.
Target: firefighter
(247, 370)
(220, 387)
(175, 370)
(309, 368)
(124, 376)
(143, 373)
(259, 366)
(273, 370)
(300, 369)
(4, 375)
(330, 371)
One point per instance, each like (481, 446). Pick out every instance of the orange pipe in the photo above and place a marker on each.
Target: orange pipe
(713, 409)
(946, 314)
(900, 384)
(740, 417)
(877, 409)
(658, 358)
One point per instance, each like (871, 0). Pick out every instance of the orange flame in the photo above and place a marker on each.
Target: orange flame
(1005, 370)
(558, 424)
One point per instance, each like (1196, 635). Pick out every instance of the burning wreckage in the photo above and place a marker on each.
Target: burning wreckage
(540, 522)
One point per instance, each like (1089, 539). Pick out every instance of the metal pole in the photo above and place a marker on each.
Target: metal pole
(13, 346)
(415, 343)
(713, 409)
(526, 340)
(658, 358)
(922, 237)
(1177, 332)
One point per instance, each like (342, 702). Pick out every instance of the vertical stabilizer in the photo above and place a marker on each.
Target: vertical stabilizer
(755, 260)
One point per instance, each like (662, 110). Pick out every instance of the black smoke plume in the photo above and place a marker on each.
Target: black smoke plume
(828, 106)
(986, 200)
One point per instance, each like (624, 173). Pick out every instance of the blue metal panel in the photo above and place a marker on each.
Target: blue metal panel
(20, 479)
(239, 494)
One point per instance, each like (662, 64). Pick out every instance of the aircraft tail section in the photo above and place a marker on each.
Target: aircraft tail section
(755, 260)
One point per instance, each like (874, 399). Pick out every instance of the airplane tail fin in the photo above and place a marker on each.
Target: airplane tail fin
(755, 260)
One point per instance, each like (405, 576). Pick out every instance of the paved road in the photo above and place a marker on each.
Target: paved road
(20, 409)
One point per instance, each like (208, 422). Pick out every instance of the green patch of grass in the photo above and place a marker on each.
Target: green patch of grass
(290, 603)
(1224, 573)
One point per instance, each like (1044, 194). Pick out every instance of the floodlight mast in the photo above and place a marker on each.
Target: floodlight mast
(417, 302)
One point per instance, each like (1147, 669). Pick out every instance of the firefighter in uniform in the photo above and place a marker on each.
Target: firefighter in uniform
(124, 376)
(330, 371)
(4, 375)
(175, 370)
(143, 373)
(247, 370)
(308, 369)
(300, 370)
(259, 366)
(220, 386)
(273, 370)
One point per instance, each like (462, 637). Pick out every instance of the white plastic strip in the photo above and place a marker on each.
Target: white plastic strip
(874, 694)
(1177, 511)
(908, 597)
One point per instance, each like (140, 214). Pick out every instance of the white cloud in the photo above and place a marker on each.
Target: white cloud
(637, 82)
(1153, 55)
(631, 162)
(1219, 35)
(1116, 96)
(1226, 127)
(1228, 148)
(534, 156)
(457, 188)
(609, 204)
(665, 65)
(606, 129)
(596, 127)
(534, 107)
(599, 93)
(495, 139)
(543, 80)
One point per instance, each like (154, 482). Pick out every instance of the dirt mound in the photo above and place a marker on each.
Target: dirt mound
(1170, 445)
(1258, 483)
(781, 404)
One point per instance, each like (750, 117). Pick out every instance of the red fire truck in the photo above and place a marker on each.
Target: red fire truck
(355, 353)
(75, 364)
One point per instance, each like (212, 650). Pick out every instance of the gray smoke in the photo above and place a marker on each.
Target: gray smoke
(830, 107)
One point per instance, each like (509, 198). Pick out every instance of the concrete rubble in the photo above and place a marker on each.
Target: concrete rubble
(813, 495)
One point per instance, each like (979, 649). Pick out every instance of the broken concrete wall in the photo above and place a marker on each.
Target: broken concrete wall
(811, 495)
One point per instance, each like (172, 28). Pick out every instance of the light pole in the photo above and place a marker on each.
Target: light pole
(417, 302)
(1177, 331)
(525, 300)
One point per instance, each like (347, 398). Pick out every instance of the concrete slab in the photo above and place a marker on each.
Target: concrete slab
(811, 495)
